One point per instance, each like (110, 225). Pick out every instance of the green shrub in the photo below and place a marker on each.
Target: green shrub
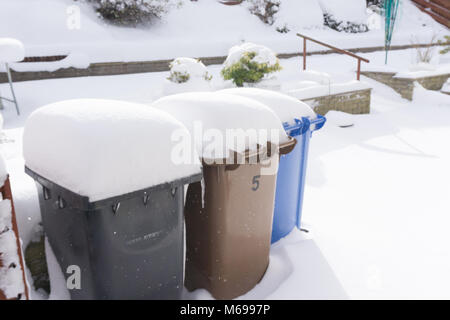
(179, 77)
(446, 43)
(248, 71)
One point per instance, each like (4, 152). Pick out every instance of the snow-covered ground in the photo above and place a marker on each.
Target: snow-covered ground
(196, 29)
(376, 200)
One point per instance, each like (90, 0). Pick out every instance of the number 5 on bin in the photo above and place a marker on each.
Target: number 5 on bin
(256, 182)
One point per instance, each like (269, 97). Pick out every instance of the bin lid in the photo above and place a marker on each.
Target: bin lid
(286, 107)
(104, 148)
(214, 118)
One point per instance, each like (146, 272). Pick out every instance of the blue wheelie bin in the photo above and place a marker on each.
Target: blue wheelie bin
(299, 121)
(291, 178)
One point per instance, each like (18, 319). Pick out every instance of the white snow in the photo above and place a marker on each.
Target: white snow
(352, 10)
(219, 114)
(58, 283)
(103, 148)
(11, 282)
(263, 54)
(339, 118)
(188, 66)
(316, 76)
(420, 72)
(308, 92)
(286, 107)
(196, 29)
(75, 60)
(375, 199)
(3, 171)
(296, 15)
(446, 87)
(11, 50)
(199, 77)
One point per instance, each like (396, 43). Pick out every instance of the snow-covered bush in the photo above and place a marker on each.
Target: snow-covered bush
(294, 15)
(187, 75)
(350, 17)
(378, 3)
(183, 69)
(131, 12)
(249, 63)
(346, 26)
(265, 9)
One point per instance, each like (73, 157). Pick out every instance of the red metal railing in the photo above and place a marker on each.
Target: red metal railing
(5, 190)
(358, 72)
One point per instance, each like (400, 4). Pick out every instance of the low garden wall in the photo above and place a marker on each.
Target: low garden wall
(354, 102)
(405, 86)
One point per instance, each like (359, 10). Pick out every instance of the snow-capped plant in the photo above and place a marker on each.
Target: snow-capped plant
(131, 12)
(265, 9)
(350, 17)
(184, 69)
(423, 54)
(249, 63)
(346, 26)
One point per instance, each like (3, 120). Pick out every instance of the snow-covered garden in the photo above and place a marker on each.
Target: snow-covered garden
(375, 208)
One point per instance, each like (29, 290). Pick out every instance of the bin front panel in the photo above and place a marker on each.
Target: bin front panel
(290, 188)
(128, 251)
(138, 250)
(67, 236)
(228, 241)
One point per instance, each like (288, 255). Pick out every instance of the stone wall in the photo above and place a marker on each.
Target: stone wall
(116, 68)
(405, 86)
(354, 102)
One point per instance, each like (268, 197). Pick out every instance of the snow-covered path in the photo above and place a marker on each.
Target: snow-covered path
(376, 200)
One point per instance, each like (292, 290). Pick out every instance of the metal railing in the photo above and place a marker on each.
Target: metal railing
(358, 72)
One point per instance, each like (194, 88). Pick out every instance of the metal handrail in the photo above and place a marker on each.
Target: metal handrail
(342, 51)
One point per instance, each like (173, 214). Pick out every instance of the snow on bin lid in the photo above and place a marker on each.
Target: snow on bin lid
(286, 107)
(103, 148)
(11, 50)
(211, 116)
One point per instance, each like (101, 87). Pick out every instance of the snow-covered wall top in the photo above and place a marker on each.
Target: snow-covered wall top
(103, 148)
(286, 107)
(219, 114)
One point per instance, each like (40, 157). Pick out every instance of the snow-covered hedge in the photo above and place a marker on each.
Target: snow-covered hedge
(184, 69)
(350, 17)
(131, 12)
(187, 75)
(249, 63)
(265, 9)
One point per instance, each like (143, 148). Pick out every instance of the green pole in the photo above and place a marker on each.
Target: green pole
(390, 14)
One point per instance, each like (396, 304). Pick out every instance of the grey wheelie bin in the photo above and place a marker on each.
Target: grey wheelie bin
(229, 215)
(124, 233)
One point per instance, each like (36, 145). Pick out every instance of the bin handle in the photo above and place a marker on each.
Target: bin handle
(319, 122)
(287, 147)
(259, 153)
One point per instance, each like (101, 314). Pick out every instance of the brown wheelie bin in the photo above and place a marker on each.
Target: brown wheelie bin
(228, 233)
